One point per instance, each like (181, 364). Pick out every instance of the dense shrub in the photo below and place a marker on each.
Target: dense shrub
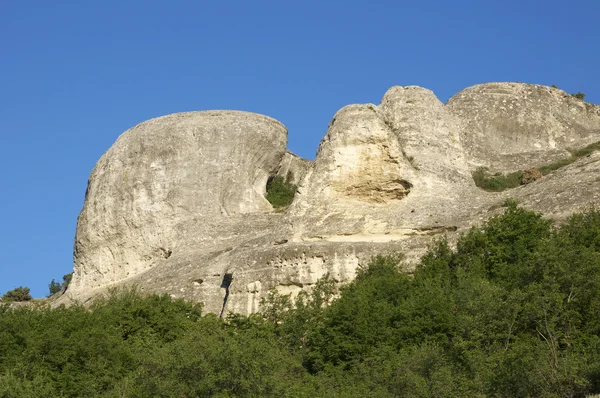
(514, 310)
(496, 182)
(280, 191)
(17, 294)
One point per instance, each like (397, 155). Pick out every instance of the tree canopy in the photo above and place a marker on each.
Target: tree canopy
(512, 310)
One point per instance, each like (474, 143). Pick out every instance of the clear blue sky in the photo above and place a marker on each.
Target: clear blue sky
(76, 74)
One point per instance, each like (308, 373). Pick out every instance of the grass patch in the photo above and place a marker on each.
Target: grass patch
(280, 192)
(585, 150)
(550, 167)
(498, 182)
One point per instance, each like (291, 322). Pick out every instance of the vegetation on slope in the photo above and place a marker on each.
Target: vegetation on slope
(513, 311)
(55, 287)
(17, 294)
(280, 191)
(497, 182)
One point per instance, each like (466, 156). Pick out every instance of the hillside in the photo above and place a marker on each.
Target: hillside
(512, 311)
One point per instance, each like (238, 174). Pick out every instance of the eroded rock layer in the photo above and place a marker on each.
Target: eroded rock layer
(177, 205)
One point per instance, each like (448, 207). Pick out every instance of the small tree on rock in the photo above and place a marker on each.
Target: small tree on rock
(67, 280)
(54, 287)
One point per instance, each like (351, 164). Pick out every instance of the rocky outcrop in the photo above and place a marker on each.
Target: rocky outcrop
(513, 126)
(169, 177)
(293, 168)
(177, 204)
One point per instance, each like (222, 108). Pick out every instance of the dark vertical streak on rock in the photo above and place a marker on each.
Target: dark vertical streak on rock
(227, 278)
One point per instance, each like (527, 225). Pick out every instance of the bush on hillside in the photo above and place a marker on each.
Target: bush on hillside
(18, 294)
(496, 182)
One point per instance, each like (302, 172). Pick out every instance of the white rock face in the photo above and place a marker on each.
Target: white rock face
(429, 134)
(164, 174)
(384, 173)
(177, 204)
(512, 126)
(293, 168)
(360, 159)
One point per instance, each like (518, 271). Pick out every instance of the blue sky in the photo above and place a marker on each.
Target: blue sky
(74, 75)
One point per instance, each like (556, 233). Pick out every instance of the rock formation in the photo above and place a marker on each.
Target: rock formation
(511, 126)
(177, 205)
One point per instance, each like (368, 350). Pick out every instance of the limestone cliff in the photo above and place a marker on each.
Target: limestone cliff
(177, 204)
(510, 126)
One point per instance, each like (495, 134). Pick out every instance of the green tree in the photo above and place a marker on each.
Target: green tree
(18, 294)
(513, 311)
(54, 287)
(502, 247)
(67, 280)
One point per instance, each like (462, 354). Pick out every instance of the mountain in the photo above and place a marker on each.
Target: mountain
(177, 205)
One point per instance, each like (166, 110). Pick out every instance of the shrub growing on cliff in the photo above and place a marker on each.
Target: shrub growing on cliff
(66, 280)
(496, 182)
(280, 191)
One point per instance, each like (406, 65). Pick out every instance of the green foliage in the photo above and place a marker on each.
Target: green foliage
(54, 287)
(579, 153)
(67, 280)
(550, 167)
(17, 294)
(497, 182)
(512, 311)
(280, 191)
(502, 248)
(579, 95)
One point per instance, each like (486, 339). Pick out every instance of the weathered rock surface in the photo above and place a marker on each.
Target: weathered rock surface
(167, 178)
(512, 126)
(177, 204)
